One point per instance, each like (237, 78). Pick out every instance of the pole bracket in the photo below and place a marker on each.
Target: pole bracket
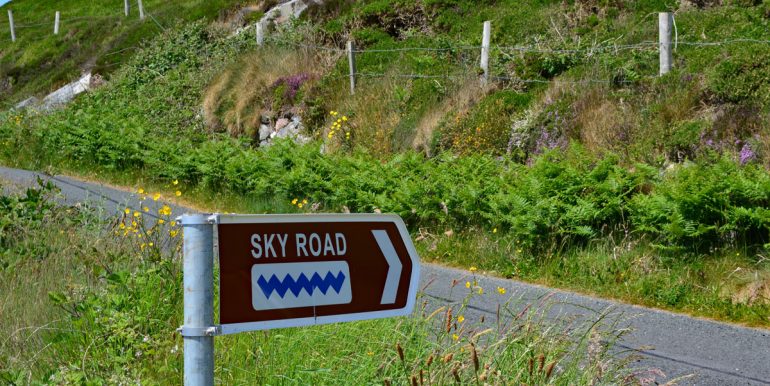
(199, 331)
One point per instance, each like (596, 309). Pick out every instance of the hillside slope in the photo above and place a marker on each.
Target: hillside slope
(583, 71)
(94, 36)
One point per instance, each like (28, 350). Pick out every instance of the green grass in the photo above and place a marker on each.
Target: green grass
(93, 35)
(705, 286)
(93, 306)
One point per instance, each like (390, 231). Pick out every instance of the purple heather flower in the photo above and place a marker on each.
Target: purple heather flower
(746, 155)
(293, 84)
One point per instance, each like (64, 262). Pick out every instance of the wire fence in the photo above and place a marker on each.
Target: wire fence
(468, 57)
(648, 45)
(17, 30)
(477, 50)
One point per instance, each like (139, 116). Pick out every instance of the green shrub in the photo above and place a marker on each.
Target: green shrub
(698, 207)
(742, 76)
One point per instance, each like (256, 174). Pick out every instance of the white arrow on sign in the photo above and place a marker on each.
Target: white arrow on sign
(394, 264)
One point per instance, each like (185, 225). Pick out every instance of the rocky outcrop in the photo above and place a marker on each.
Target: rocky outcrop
(281, 13)
(287, 127)
(62, 96)
(287, 10)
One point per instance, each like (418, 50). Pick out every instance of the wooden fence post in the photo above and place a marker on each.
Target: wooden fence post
(665, 21)
(352, 64)
(141, 10)
(57, 19)
(485, 40)
(126, 7)
(10, 20)
(260, 34)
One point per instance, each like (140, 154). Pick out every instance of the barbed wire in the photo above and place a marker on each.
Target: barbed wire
(725, 42)
(62, 21)
(121, 50)
(522, 48)
(469, 75)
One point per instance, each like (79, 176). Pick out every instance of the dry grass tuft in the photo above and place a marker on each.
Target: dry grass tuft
(466, 95)
(237, 99)
(603, 124)
(755, 290)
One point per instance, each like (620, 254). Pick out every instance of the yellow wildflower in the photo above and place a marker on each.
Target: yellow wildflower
(460, 319)
(122, 226)
(146, 209)
(299, 205)
(467, 284)
(151, 244)
(494, 230)
(161, 221)
(165, 210)
(473, 269)
(127, 211)
(173, 232)
(455, 337)
(294, 201)
(304, 201)
(175, 182)
(481, 291)
(137, 214)
(156, 197)
(344, 118)
(178, 193)
(140, 191)
(173, 223)
(501, 290)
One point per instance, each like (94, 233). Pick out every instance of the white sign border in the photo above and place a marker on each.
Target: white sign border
(234, 328)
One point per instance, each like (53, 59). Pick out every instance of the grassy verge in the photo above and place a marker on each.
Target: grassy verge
(97, 304)
(728, 284)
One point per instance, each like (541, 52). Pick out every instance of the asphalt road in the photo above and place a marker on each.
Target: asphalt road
(703, 352)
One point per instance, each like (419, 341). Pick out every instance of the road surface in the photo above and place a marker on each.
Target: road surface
(710, 353)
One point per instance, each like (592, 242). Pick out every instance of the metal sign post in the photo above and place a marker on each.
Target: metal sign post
(278, 271)
(198, 330)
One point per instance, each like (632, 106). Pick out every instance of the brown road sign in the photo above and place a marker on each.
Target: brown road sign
(296, 270)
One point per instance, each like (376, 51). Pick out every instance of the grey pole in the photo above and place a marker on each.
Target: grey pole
(665, 22)
(352, 64)
(485, 40)
(10, 20)
(141, 10)
(198, 329)
(56, 23)
(126, 7)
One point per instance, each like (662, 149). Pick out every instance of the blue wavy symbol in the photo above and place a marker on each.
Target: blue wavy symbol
(289, 284)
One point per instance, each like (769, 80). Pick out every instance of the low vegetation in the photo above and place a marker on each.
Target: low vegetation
(697, 227)
(93, 36)
(98, 301)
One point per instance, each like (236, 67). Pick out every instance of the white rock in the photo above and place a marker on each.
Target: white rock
(264, 132)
